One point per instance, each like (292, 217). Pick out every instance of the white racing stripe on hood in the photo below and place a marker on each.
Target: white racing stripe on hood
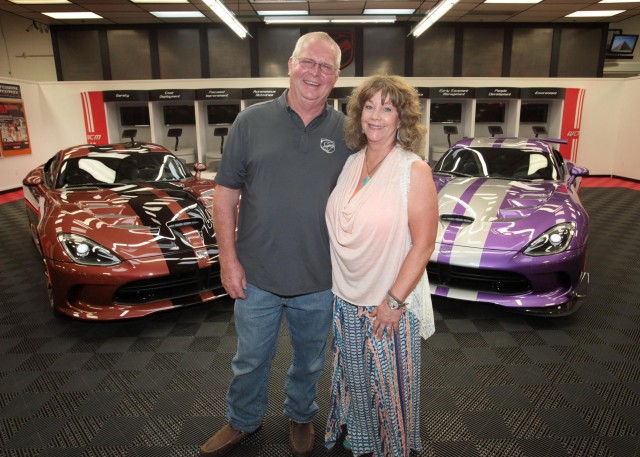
(470, 239)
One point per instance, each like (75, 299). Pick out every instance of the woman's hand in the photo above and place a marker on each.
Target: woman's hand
(385, 319)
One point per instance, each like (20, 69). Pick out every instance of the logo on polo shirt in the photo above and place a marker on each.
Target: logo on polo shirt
(328, 146)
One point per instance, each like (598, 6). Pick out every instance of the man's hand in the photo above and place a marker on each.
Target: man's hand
(233, 279)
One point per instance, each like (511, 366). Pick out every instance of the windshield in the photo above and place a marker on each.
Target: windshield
(109, 168)
(501, 163)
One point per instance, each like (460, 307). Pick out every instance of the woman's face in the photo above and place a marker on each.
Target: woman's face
(380, 120)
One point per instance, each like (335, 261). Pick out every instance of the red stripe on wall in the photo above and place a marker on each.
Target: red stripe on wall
(95, 117)
(571, 120)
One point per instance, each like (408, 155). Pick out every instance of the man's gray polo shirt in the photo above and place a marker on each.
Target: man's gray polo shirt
(286, 172)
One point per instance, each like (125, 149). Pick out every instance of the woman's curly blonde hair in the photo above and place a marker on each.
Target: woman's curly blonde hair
(411, 133)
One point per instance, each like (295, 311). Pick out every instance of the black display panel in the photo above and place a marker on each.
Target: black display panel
(222, 114)
(623, 44)
(179, 114)
(490, 112)
(534, 112)
(450, 113)
(134, 116)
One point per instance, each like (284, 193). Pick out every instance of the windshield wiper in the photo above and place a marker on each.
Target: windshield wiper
(511, 178)
(453, 173)
(94, 185)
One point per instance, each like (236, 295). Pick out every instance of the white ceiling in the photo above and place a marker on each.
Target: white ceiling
(126, 12)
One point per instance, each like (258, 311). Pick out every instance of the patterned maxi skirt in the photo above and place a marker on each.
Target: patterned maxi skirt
(375, 388)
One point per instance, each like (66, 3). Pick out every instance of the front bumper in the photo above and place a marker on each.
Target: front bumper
(544, 285)
(134, 288)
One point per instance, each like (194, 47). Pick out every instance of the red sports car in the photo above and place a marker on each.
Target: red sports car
(125, 230)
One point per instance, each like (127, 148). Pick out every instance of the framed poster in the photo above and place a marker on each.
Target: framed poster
(14, 133)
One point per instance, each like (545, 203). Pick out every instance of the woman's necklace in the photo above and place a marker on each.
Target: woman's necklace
(367, 178)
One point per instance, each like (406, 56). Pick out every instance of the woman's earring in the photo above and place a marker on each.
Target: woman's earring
(398, 135)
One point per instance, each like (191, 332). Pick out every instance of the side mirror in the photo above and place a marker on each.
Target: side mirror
(199, 167)
(32, 181)
(577, 172)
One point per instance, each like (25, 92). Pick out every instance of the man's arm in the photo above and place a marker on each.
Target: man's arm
(225, 210)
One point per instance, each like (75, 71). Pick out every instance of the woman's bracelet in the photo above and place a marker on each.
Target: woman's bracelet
(394, 302)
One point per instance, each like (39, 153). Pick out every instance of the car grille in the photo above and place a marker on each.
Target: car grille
(183, 287)
(481, 280)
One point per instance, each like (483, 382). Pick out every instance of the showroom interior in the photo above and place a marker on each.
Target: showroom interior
(494, 383)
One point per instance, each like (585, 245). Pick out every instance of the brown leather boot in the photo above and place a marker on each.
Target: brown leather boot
(222, 442)
(301, 436)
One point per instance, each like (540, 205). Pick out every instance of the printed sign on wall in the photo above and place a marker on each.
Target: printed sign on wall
(13, 122)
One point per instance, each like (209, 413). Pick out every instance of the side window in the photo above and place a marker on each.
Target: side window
(49, 171)
(560, 162)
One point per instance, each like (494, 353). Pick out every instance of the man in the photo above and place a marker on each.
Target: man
(284, 157)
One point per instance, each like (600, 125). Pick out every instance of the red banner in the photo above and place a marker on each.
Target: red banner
(571, 120)
(95, 118)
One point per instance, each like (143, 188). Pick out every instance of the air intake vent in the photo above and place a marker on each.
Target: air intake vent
(457, 218)
(193, 222)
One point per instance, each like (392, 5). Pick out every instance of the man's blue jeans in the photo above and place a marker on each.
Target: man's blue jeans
(257, 320)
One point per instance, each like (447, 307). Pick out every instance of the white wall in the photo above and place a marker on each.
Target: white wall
(25, 54)
(627, 153)
(55, 116)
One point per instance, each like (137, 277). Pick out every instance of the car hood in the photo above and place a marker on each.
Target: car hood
(498, 214)
(136, 221)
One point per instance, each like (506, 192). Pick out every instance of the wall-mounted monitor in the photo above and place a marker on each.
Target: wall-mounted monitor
(534, 112)
(179, 114)
(134, 116)
(446, 113)
(623, 44)
(490, 112)
(222, 114)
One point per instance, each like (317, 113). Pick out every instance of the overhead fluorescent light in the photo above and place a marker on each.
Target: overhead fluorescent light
(329, 19)
(283, 13)
(603, 13)
(432, 16)
(373, 19)
(296, 20)
(513, 1)
(39, 2)
(227, 17)
(74, 15)
(177, 14)
(619, 1)
(389, 11)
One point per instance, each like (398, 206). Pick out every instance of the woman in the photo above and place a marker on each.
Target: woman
(382, 219)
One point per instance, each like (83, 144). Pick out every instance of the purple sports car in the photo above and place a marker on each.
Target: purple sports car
(512, 230)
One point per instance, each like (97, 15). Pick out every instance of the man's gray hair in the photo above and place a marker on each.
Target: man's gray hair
(318, 36)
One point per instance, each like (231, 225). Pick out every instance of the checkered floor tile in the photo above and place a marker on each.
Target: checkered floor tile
(494, 384)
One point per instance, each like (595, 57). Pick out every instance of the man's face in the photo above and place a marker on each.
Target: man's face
(309, 72)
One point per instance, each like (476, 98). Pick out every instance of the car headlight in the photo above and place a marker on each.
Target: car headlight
(553, 241)
(85, 251)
